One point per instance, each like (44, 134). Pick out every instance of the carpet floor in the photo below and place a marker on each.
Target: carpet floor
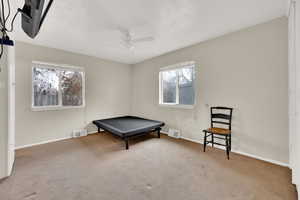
(97, 167)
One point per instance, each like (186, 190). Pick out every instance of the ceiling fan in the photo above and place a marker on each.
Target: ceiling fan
(129, 41)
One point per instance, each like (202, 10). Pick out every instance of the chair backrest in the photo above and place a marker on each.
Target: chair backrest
(221, 115)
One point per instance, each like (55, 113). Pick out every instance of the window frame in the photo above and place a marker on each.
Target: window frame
(59, 67)
(175, 67)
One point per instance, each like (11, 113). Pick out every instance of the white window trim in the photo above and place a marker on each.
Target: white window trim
(57, 66)
(181, 106)
(178, 66)
(176, 105)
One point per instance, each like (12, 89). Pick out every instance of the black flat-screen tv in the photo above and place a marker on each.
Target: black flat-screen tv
(33, 16)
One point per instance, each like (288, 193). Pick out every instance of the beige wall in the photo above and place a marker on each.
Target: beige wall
(3, 114)
(108, 93)
(246, 70)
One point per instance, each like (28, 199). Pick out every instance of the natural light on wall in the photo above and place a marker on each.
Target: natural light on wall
(57, 86)
(177, 85)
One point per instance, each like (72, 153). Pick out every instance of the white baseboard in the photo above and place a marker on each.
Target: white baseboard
(48, 141)
(94, 131)
(58, 139)
(164, 132)
(243, 153)
(39, 143)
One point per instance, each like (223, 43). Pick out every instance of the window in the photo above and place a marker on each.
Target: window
(57, 87)
(177, 85)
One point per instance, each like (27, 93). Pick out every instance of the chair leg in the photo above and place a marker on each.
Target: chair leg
(204, 146)
(227, 147)
(230, 142)
(212, 140)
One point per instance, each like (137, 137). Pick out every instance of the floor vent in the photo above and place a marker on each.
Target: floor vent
(79, 133)
(174, 133)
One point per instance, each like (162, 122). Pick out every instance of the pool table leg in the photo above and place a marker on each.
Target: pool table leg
(126, 143)
(158, 132)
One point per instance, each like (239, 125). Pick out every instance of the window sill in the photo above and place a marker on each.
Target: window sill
(180, 106)
(50, 108)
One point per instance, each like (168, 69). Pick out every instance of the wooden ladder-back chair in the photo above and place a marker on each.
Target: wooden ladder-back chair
(221, 116)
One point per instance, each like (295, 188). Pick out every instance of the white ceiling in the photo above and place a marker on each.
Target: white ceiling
(90, 27)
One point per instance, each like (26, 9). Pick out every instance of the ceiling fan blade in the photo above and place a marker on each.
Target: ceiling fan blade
(145, 39)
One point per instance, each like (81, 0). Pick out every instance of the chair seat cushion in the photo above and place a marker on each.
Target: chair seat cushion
(221, 131)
